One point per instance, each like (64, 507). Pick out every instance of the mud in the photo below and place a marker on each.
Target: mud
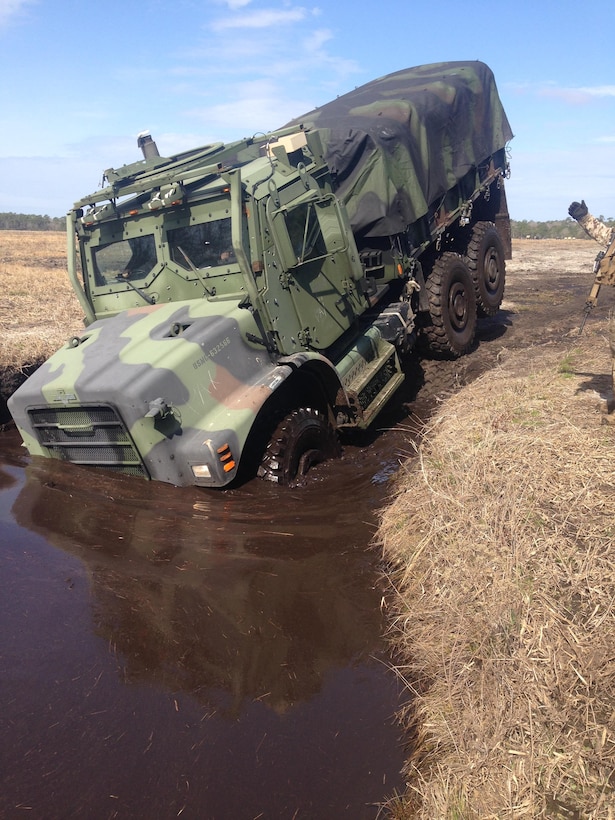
(176, 652)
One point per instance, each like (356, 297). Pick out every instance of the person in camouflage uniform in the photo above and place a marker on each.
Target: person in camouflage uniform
(605, 270)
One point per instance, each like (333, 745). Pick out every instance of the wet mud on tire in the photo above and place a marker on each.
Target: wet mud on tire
(452, 307)
(485, 258)
(301, 440)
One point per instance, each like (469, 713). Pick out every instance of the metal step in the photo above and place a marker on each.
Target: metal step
(370, 373)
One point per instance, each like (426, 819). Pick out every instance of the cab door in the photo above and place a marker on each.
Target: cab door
(321, 267)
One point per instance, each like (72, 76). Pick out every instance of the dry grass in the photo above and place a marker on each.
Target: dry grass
(500, 548)
(38, 309)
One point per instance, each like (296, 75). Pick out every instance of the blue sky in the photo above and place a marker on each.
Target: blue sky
(81, 80)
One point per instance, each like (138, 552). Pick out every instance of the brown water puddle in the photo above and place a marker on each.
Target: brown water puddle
(172, 652)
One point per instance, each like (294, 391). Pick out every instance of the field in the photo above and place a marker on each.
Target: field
(38, 310)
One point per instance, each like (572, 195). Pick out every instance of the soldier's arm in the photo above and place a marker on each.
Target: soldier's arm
(597, 229)
(592, 226)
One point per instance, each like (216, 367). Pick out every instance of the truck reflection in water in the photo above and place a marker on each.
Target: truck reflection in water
(231, 599)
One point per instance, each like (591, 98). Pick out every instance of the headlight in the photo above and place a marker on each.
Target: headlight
(201, 470)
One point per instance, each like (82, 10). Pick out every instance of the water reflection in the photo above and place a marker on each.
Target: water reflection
(243, 604)
(188, 592)
(6, 480)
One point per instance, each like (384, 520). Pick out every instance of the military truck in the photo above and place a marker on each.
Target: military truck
(247, 304)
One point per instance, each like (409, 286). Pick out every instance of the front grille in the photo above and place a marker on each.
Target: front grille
(89, 435)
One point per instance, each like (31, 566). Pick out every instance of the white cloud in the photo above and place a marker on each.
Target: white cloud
(280, 90)
(9, 9)
(255, 106)
(570, 94)
(262, 19)
(317, 39)
(338, 66)
(578, 96)
(600, 91)
(201, 95)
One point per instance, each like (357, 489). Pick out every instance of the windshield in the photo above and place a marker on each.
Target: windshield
(202, 246)
(127, 259)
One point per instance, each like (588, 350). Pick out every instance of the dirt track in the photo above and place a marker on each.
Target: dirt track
(500, 533)
(547, 284)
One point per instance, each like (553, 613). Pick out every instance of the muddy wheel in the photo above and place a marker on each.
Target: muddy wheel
(303, 438)
(452, 306)
(485, 258)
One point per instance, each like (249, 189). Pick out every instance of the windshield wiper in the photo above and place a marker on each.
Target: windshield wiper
(124, 277)
(194, 269)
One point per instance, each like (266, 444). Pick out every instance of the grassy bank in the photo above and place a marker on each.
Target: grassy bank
(500, 551)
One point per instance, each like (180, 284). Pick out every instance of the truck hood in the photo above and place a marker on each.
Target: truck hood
(170, 371)
(167, 347)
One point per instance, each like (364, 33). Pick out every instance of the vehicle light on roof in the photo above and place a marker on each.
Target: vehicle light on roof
(155, 202)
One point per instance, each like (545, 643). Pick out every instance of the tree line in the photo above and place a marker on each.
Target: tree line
(521, 229)
(555, 229)
(31, 222)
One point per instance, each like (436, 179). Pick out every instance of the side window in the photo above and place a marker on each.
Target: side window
(305, 233)
(127, 259)
(202, 246)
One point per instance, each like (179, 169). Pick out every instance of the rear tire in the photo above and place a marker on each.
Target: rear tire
(302, 439)
(452, 306)
(485, 259)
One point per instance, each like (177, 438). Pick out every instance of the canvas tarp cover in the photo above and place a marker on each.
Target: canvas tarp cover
(396, 145)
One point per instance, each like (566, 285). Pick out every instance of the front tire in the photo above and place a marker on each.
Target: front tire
(302, 439)
(452, 306)
(485, 258)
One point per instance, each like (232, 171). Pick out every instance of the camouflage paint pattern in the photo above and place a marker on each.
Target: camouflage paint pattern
(396, 145)
(604, 235)
(211, 381)
(605, 275)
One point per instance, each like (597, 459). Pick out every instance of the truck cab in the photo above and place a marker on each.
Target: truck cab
(212, 296)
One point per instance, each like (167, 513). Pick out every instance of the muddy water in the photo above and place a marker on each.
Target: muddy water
(176, 652)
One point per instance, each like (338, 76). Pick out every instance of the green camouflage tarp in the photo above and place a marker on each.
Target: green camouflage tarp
(396, 145)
